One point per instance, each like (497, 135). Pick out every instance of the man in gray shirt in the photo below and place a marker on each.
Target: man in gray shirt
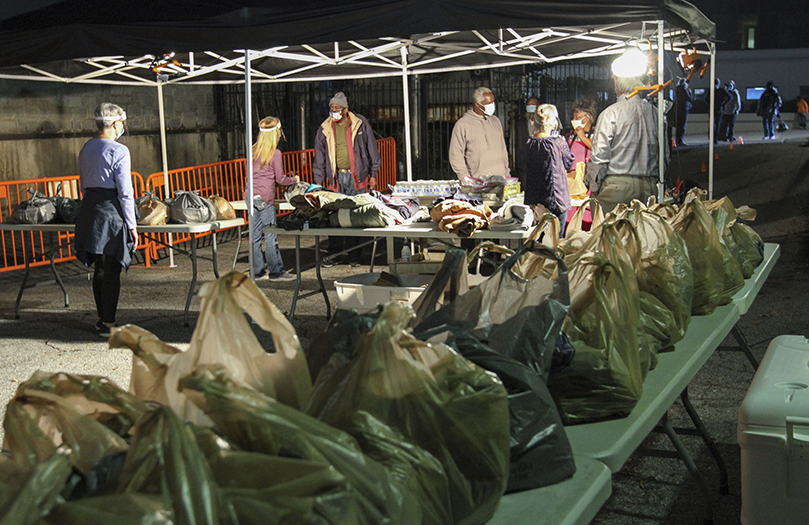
(624, 161)
(478, 147)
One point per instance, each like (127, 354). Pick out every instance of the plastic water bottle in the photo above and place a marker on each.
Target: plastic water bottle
(406, 251)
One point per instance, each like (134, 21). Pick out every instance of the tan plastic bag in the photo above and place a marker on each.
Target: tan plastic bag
(575, 182)
(224, 210)
(223, 336)
(152, 211)
(724, 214)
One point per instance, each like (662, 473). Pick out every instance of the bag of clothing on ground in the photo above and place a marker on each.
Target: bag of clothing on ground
(66, 208)
(695, 225)
(188, 207)
(409, 403)
(151, 210)
(38, 209)
(224, 209)
(604, 377)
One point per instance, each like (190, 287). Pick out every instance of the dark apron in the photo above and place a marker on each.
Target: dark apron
(100, 228)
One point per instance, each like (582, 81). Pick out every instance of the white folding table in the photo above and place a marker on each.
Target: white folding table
(420, 230)
(147, 231)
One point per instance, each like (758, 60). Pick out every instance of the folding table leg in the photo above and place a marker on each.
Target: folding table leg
(213, 252)
(690, 465)
(193, 277)
(298, 275)
(22, 286)
(745, 347)
(373, 254)
(238, 246)
(709, 442)
(320, 278)
(55, 273)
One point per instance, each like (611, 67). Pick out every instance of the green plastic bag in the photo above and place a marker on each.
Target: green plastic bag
(724, 214)
(120, 509)
(257, 423)
(695, 225)
(432, 399)
(751, 247)
(604, 378)
(29, 491)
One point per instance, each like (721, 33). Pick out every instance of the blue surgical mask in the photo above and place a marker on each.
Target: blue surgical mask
(530, 109)
(488, 108)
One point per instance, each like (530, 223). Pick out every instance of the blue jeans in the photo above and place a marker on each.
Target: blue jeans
(769, 125)
(263, 216)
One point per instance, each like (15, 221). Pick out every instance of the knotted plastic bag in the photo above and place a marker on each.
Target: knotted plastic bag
(188, 207)
(152, 211)
(224, 209)
(38, 209)
(436, 402)
(222, 336)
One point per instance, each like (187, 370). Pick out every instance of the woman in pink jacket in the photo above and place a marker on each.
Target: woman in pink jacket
(268, 170)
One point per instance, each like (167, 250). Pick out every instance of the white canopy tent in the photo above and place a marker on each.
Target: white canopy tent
(417, 54)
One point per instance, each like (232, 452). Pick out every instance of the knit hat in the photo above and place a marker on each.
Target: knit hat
(340, 99)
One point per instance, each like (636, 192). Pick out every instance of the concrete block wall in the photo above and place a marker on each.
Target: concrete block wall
(43, 126)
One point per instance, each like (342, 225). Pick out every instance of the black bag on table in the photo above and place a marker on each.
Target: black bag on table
(38, 209)
(188, 207)
(66, 208)
(518, 349)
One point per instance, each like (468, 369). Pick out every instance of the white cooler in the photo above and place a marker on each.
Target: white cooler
(774, 437)
(357, 292)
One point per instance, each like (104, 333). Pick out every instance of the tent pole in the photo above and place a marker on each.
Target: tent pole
(661, 131)
(164, 154)
(711, 117)
(248, 156)
(406, 100)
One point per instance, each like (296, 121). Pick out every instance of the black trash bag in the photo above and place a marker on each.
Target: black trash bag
(38, 209)
(66, 208)
(540, 452)
(189, 208)
(292, 221)
(516, 311)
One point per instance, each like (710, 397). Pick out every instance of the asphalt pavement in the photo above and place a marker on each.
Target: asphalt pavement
(768, 176)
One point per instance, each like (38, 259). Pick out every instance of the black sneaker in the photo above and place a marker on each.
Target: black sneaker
(355, 264)
(105, 330)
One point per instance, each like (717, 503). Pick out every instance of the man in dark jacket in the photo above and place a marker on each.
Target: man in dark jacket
(768, 105)
(682, 104)
(720, 97)
(346, 159)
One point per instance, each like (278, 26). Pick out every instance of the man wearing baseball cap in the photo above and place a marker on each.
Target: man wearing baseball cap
(346, 159)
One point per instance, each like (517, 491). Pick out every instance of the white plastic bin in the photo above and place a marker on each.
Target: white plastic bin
(773, 434)
(357, 292)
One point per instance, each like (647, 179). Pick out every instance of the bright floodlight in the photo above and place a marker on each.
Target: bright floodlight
(632, 63)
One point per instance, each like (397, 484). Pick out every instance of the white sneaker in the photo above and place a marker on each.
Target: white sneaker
(283, 278)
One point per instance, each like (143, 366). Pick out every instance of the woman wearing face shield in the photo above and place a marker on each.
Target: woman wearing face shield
(547, 160)
(268, 171)
(106, 229)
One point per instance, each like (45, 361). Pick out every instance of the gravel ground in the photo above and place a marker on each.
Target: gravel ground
(770, 177)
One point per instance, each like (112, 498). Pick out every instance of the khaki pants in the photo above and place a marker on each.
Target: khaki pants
(623, 188)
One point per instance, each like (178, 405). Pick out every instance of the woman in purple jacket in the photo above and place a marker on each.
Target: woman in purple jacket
(268, 170)
(547, 161)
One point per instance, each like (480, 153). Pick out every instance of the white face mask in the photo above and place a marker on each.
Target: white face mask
(530, 109)
(336, 115)
(577, 123)
(488, 108)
